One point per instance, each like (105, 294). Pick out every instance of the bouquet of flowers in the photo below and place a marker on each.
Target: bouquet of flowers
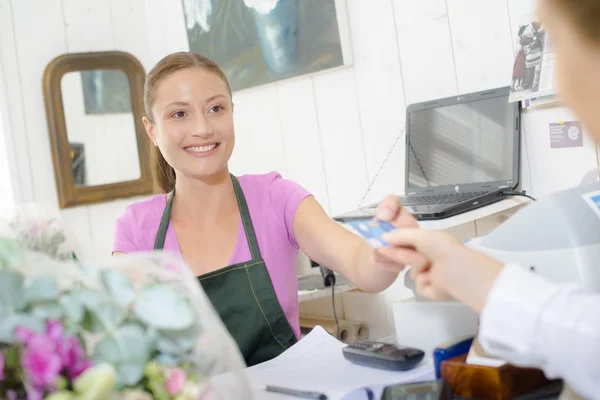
(138, 328)
(38, 228)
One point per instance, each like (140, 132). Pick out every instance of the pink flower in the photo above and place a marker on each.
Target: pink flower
(24, 335)
(49, 354)
(1, 367)
(33, 229)
(175, 381)
(54, 331)
(41, 362)
(72, 357)
(32, 393)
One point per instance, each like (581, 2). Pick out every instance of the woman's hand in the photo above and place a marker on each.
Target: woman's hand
(442, 266)
(396, 259)
(391, 210)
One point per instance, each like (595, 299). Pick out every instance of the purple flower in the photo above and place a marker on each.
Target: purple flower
(33, 393)
(41, 362)
(24, 335)
(72, 357)
(1, 367)
(54, 331)
(47, 355)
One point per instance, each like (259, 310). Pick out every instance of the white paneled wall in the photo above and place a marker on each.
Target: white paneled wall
(329, 132)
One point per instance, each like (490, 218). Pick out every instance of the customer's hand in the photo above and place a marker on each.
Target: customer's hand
(391, 210)
(450, 269)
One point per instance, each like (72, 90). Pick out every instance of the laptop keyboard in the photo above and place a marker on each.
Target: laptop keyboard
(446, 198)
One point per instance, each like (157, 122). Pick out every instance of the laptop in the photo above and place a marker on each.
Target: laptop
(462, 153)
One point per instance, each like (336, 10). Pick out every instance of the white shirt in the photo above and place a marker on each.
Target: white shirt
(531, 322)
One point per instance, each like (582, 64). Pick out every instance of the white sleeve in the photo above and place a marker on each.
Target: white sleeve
(529, 321)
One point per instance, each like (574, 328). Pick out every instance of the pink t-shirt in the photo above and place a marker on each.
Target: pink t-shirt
(272, 202)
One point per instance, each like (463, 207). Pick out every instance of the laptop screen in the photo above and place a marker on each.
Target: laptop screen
(461, 143)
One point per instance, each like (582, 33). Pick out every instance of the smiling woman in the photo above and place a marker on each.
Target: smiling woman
(239, 235)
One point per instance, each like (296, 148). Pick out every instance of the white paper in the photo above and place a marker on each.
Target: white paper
(534, 57)
(316, 363)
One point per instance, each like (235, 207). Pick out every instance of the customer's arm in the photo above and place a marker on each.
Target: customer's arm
(525, 319)
(530, 321)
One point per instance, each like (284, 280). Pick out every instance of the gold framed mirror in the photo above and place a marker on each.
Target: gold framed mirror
(94, 107)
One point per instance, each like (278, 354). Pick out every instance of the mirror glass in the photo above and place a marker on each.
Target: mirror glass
(100, 127)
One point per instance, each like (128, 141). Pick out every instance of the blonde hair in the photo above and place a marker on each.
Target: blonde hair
(163, 174)
(584, 16)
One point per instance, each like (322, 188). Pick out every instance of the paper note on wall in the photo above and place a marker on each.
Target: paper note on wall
(566, 134)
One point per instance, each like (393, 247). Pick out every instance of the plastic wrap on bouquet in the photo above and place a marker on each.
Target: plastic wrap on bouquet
(138, 328)
(38, 227)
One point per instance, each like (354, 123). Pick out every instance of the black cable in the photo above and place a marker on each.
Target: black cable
(337, 324)
(521, 193)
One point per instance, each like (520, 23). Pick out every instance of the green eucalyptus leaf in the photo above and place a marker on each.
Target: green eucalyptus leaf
(8, 323)
(11, 291)
(163, 308)
(131, 374)
(166, 360)
(107, 316)
(100, 313)
(10, 252)
(177, 342)
(128, 349)
(118, 286)
(43, 288)
(87, 298)
(127, 345)
(108, 350)
(91, 322)
(12, 358)
(48, 310)
(72, 308)
(137, 345)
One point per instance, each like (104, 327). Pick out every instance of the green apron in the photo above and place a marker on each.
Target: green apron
(243, 295)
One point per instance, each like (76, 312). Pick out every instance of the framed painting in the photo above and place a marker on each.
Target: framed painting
(256, 42)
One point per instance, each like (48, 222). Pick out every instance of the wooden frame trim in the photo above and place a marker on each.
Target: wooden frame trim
(70, 195)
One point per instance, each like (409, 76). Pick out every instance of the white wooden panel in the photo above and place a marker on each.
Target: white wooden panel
(483, 51)
(266, 150)
(78, 230)
(34, 52)
(130, 29)
(240, 162)
(258, 132)
(302, 143)
(88, 25)
(7, 197)
(380, 93)
(12, 109)
(425, 49)
(102, 218)
(130, 34)
(520, 12)
(555, 169)
(166, 28)
(525, 182)
(340, 129)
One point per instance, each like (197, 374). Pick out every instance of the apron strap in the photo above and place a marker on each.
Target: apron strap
(159, 242)
(246, 219)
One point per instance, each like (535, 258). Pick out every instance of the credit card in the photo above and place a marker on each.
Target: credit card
(371, 230)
